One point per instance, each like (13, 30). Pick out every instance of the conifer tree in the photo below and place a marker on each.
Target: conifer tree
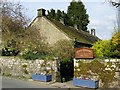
(51, 14)
(77, 15)
(58, 15)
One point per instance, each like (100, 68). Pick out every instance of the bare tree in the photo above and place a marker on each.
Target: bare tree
(16, 35)
(13, 23)
(116, 3)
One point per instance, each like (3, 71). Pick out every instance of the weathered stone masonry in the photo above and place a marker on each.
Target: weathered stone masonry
(11, 66)
(105, 61)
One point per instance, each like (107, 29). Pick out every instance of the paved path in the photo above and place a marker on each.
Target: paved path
(15, 83)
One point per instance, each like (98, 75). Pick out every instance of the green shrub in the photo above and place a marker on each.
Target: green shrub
(105, 49)
(11, 49)
(63, 49)
(116, 40)
(30, 56)
(33, 56)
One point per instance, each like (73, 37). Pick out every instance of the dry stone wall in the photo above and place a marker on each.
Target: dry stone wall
(11, 66)
(114, 65)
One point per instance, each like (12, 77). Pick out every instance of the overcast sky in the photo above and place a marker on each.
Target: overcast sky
(102, 15)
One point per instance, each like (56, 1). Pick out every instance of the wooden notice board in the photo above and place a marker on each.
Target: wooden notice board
(84, 53)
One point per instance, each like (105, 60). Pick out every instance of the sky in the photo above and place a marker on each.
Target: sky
(102, 15)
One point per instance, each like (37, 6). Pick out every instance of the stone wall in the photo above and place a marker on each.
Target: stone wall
(115, 65)
(11, 66)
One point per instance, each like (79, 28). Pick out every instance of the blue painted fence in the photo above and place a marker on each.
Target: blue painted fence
(40, 77)
(85, 83)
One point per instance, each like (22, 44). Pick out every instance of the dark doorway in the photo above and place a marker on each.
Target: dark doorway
(67, 70)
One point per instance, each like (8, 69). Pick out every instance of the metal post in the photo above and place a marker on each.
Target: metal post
(119, 17)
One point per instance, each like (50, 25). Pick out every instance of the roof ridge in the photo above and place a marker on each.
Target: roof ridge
(67, 29)
(71, 32)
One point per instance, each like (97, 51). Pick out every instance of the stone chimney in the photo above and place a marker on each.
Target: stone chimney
(41, 12)
(93, 32)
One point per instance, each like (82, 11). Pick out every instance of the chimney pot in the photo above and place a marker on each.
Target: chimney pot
(93, 32)
(41, 12)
